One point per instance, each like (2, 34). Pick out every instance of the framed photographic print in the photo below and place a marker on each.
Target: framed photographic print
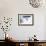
(25, 19)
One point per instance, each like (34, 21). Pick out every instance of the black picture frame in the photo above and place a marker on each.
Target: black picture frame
(29, 19)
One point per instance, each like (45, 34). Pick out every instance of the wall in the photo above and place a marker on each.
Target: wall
(11, 8)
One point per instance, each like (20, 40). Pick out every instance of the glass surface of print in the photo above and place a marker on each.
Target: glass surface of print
(25, 19)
